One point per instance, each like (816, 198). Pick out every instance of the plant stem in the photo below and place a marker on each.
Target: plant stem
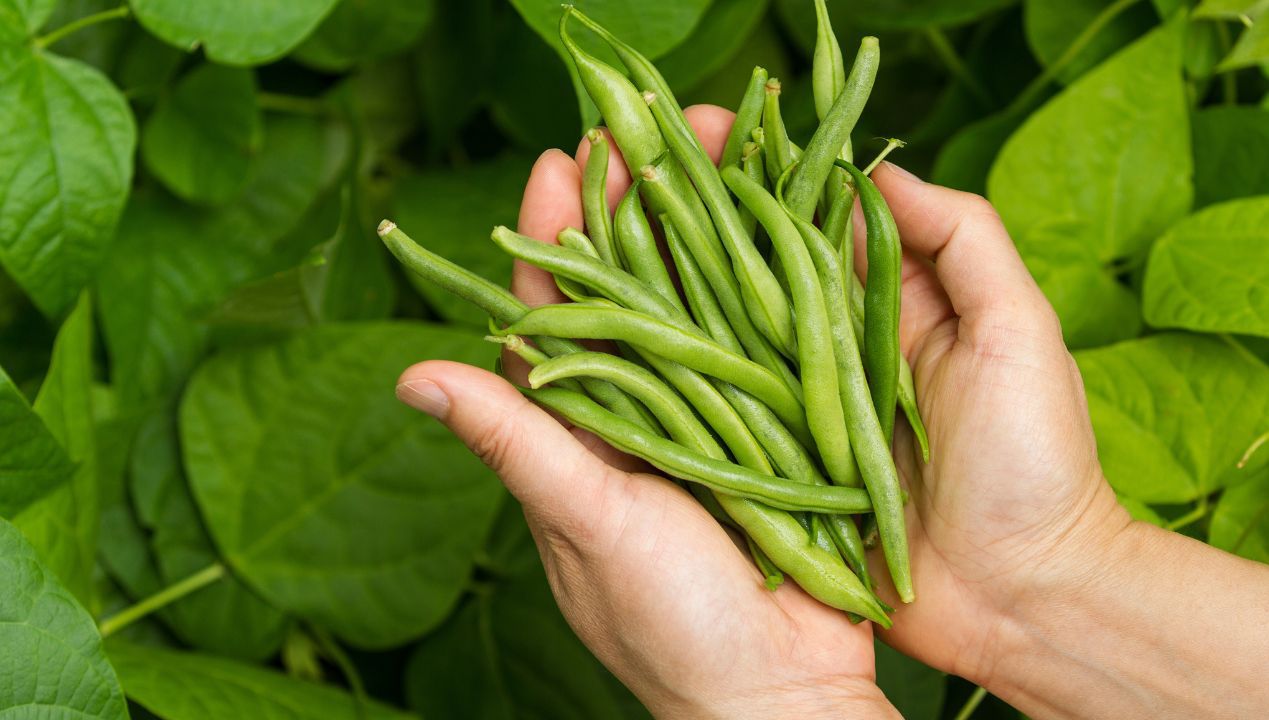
(73, 26)
(972, 703)
(1229, 78)
(346, 666)
(1192, 516)
(1251, 450)
(292, 104)
(891, 144)
(1029, 94)
(947, 54)
(162, 598)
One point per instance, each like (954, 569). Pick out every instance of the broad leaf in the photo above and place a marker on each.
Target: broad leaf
(1210, 272)
(371, 516)
(1231, 153)
(451, 212)
(233, 32)
(1252, 47)
(1052, 25)
(200, 139)
(65, 168)
(1173, 413)
(653, 27)
(920, 13)
(1141, 511)
(53, 664)
(188, 686)
(965, 160)
(32, 462)
(361, 30)
(63, 525)
(1100, 171)
(916, 690)
(719, 35)
(1240, 523)
(531, 96)
(455, 68)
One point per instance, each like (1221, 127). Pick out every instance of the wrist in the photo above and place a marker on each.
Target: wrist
(836, 699)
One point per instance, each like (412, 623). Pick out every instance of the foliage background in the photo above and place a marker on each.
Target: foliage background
(200, 332)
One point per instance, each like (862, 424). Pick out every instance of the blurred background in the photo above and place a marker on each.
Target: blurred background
(187, 233)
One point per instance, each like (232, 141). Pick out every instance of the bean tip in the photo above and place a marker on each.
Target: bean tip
(649, 97)
(773, 86)
(594, 136)
(386, 226)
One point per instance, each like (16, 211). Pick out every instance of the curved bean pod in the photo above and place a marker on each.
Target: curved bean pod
(748, 117)
(777, 149)
(637, 246)
(595, 196)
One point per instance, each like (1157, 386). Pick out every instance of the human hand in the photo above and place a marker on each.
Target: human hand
(1012, 503)
(650, 582)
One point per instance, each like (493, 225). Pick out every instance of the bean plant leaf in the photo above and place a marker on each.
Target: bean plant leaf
(352, 530)
(190, 686)
(1252, 47)
(1174, 413)
(653, 27)
(1231, 153)
(916, 689)
(1229, 9)
(32, 462)
(200, 139)
(1210, 272)
(233, 32)
(1100, 171)
(62, 525)
(361, 30)
(1240, 523)
(531, 96)
(1141, 511)
(455, 68)
(719, 35)
(1051, 26)
(65, 168)
(450, 212)
(53, 664)
(965, 160)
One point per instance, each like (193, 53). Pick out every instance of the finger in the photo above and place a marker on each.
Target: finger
(540, 461)
(618, 180)
(552, 201)
(973, 255)
(712, 124)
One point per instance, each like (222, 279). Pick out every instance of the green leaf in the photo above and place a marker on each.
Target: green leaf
(233, 32)
(32, 462)
(1231, 153)
(1096, 309)
(717, 38)
(65, 168)
(451, 212)
(372, 515)
(455, 68)
(1173, 413)
(1229, 9)
(1098, 172)
(200, 139)
(1141, 511)
(509, 654)
(965, 160)
(1240, 523)
(53, 664)
(920, 13)
(189, 686)
(1051, 25)
(653, 27)
(916, 690)
(361, 30)
(1252, 47)
(63, 525)
(531, 96)
(172, 264)
(20, 19)
(1210, 271)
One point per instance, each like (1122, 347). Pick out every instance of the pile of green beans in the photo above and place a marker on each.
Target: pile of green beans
(754, 365)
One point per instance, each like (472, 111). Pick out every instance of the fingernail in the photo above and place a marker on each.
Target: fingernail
(424, 395)
(901, 172)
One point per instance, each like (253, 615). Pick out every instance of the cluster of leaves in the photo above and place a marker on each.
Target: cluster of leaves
(214, 464)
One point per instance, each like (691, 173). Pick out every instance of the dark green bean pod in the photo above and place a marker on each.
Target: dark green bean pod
(748, 117)
(777, 150)
(595, 197)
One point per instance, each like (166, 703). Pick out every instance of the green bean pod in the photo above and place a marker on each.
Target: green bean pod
(504, 307)
(777, 149)
(748, 117)
(718, 475)
(823, 409)
(531, 356)
(707, 313)
(595, 197)
(871, 446)
(771, 575)
(881, 300)
(638, 246)
(828, 80)
(694, 351)
(817, 161)
(751, 161)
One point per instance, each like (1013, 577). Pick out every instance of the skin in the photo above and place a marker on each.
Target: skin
(1032, 581)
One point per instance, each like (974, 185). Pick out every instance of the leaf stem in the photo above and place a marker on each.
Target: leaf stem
(161, 599)
(1022, 103)
(346, 666)
(1251, 450)
(74, 26)
(891, 144)
(947, 54)
(972, 703)
(1190, 517)
(1229, 79)
(293, 104)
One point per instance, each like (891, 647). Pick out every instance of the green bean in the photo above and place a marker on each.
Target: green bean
(771, 575)
(881, 300)
(751, 160)
(828, 79)
(823, 409)
(569, 237)
(713, 261)
(776, 148)
(718, 475)
(638, 246)
(748, 117)
(499, 304)
(817, 161)
(694, 351)
(595, 196)
(871, 446)
(700, 298)
(531, 356)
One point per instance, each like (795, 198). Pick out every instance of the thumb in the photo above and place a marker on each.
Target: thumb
(540, 461)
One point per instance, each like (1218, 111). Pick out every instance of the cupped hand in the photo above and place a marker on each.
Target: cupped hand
(650, 582)
(1011, 510)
